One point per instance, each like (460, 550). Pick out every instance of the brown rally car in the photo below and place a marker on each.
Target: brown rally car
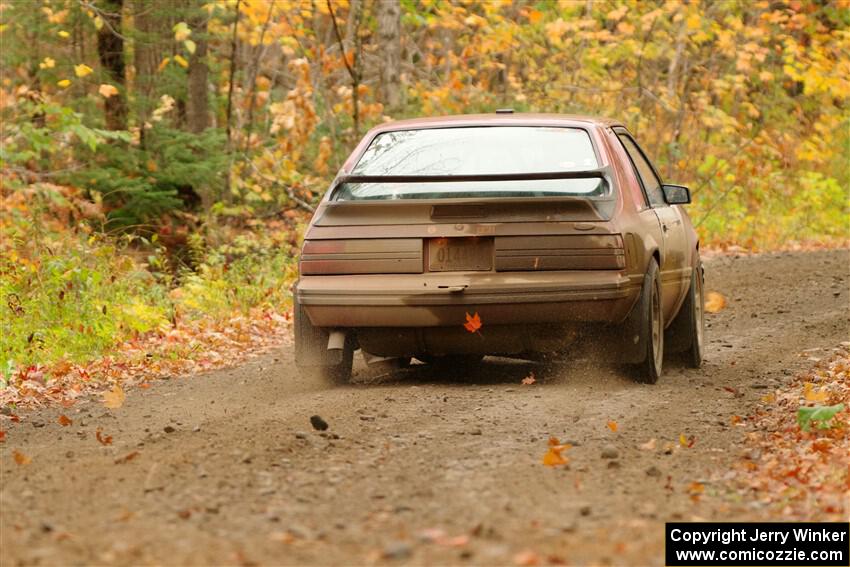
(541, 227)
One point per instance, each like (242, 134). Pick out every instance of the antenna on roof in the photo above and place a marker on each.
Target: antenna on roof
(504, 111)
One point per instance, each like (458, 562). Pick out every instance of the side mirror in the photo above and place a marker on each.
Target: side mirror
(676, 194)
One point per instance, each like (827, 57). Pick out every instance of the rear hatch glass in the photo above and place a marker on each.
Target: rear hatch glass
(453, 163)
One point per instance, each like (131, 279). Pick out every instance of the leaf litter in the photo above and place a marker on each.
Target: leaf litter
(189, 348)
(796, 457)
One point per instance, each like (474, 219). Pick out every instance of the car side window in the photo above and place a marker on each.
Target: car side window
(650, 181)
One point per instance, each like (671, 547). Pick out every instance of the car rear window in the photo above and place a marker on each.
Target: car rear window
(473, 151)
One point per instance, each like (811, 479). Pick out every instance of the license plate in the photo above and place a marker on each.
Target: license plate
(459, 254)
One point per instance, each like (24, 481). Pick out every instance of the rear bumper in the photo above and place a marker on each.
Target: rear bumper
(435, 299)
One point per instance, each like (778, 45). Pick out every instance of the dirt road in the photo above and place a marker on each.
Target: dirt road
(418, 468)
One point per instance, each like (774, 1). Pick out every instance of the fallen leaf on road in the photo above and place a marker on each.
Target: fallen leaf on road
(20, 458)
(732, 391)
(2, 435)
(64, 420)
(812, 395)
(283, 537)
(687, 441)
(526, 558)
(649, 445)
(735, 419)
(695, 489)
(126, 458)
(529, 380)
(612, 425)
(714, 302)
(456, 541)
(553, 457)
(103, 439)
(125, 516)
(114, 398)
(473, 323)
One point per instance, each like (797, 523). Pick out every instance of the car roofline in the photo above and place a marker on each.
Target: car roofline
(490, 120)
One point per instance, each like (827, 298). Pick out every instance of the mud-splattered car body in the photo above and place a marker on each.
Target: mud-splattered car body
(421, 227)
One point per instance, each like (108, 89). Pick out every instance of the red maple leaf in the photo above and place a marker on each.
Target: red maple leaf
(473, 323)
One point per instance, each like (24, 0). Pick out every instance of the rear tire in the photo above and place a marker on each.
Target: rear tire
(686, 334)
(648, 370)
(312, 356)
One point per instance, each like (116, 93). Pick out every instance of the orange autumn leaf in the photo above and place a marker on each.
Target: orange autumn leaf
(529, 380)
(64, 420)
(695, 490)
(2, 435)
(20, 458)
(61, 368)
(107, 91)
(103, 438)
(714, 302)
(612, 425)
(114, 398)
(473, 323)
(535, 16)
(812, 395)
(553, 456)
(456, 541)
(526, 558)
(127, 458)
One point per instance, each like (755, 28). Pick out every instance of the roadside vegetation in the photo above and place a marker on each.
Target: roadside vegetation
(158, 160)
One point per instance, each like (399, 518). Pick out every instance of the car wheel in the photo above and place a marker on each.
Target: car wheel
(312, 356)
(652, 327)
(686, 334)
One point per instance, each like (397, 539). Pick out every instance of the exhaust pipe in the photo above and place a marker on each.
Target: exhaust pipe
(336, 340)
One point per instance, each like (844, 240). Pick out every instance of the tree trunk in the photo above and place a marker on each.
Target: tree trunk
(355, 16)
(389, 42)
(234, 46)
(197, 97)
(148, 24)
(110, 50)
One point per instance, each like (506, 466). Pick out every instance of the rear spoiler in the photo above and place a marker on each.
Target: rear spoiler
(600, 173)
